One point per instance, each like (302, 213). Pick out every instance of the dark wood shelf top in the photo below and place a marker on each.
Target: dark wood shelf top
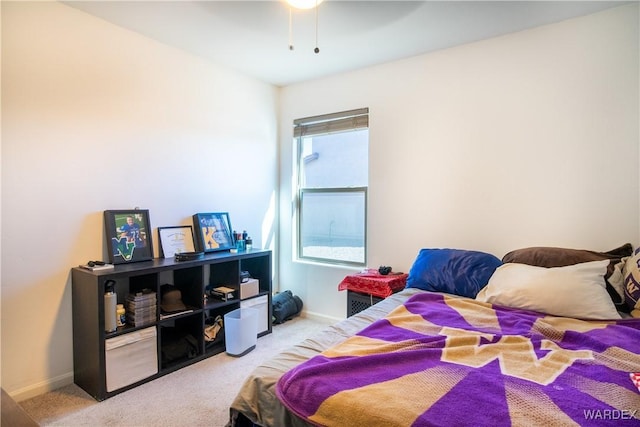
(160, 264)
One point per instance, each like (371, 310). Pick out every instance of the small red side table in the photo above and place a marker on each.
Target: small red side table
(370, 287)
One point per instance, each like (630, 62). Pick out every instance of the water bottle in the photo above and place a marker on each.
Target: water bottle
(110, 307)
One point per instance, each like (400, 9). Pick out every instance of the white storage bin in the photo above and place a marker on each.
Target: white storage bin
(261, 305)
(240, 331)
(130, 358)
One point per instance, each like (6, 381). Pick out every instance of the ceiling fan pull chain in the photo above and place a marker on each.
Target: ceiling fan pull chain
(290, 28)
(317, 49)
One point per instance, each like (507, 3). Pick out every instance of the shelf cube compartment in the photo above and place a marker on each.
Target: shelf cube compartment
(131, 358)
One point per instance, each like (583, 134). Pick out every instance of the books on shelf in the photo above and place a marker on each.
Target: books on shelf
(141, 307)
(141, 316)
(133, 303)
(145, 294)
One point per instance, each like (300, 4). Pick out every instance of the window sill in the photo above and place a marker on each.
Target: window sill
(338, 265)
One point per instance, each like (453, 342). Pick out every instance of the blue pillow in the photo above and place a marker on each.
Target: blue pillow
(453, 271)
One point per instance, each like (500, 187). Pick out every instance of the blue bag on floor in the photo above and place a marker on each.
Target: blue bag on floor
(285, 306)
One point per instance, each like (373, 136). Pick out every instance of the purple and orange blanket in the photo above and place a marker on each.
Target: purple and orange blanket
(447, 361)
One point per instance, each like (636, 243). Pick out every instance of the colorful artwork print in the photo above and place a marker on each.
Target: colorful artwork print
(214, 231)
(128, 234)
(131, 235)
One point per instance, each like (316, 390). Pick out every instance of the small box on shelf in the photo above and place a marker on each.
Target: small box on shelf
(249, 289)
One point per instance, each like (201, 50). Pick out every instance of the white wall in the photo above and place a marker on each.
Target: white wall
(530, 139)
(96, 117)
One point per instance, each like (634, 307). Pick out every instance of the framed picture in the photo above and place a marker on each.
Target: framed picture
(176, 240)
(213, 231)
(128, 235)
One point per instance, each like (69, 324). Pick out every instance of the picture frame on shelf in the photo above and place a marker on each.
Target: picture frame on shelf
(128, 235)
(175, 240)
(213, 231)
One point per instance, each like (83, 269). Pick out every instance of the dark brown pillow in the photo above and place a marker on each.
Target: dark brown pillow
(561, 257)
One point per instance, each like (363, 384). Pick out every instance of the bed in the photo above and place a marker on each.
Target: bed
(472, 340)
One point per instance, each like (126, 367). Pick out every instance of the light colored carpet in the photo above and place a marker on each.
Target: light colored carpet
(198, 395)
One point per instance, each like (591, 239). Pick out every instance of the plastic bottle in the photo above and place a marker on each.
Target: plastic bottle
(249, 244)
(110, 306)
(121, 315)
(240, 247)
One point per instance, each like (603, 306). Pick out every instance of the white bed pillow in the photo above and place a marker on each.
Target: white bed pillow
(577, 291)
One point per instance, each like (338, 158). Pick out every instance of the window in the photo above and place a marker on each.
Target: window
(333, 175)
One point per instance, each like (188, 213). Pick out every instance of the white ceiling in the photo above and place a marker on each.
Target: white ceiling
(253, 36)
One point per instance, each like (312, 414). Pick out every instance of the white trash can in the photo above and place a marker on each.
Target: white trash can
(240, 331)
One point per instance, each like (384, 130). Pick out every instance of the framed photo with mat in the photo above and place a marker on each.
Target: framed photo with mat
(213, 231)
(128, 235)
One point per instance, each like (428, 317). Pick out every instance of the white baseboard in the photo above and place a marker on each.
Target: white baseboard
(320, 317)
(42, 387)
